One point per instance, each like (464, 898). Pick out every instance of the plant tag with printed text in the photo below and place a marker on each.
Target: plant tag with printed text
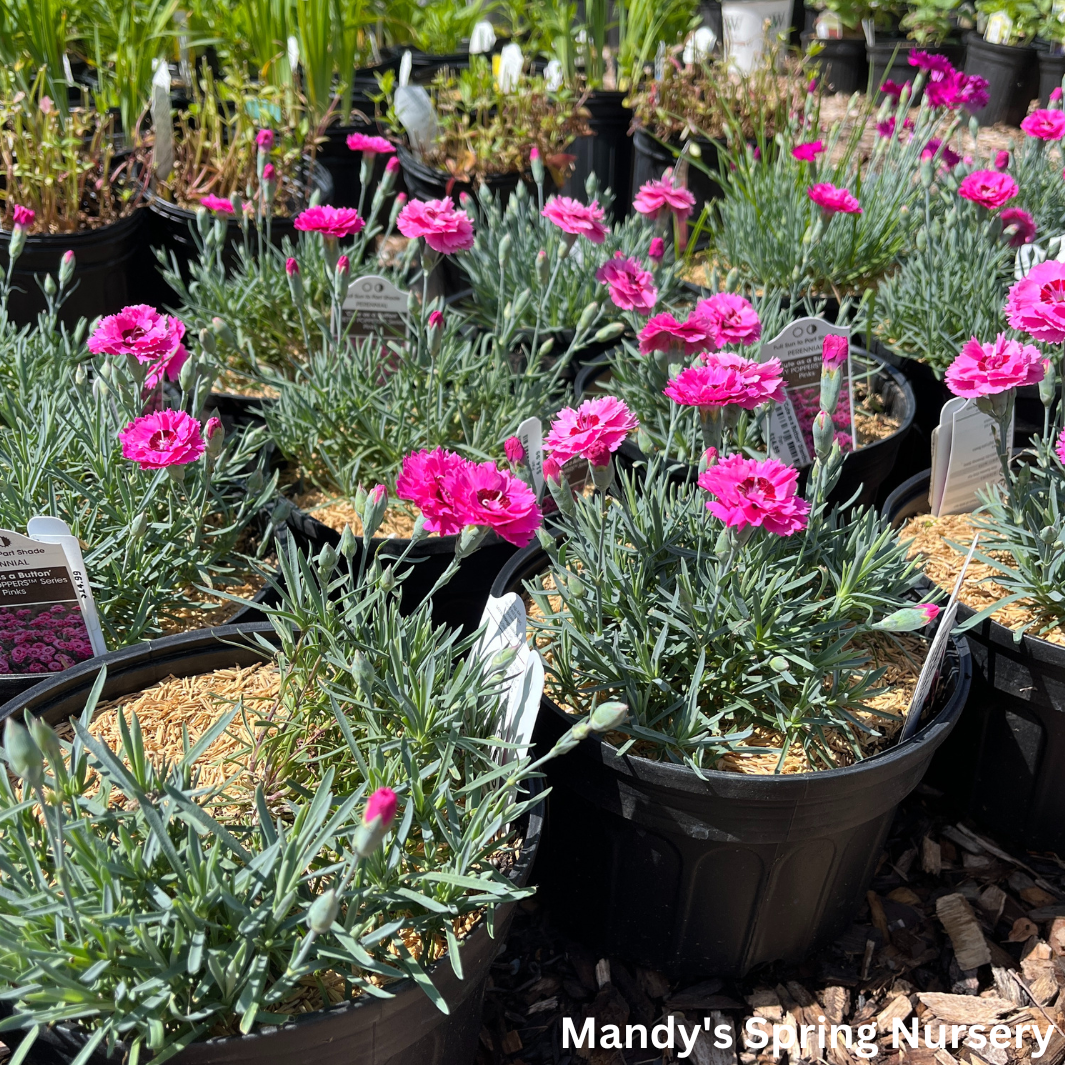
(799, 348)
(378, 307)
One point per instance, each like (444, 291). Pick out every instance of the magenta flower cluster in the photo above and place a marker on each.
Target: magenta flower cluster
(36, 640)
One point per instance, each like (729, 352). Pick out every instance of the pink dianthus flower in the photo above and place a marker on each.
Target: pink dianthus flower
(444, 227)
(167, 438)
(632, 288)
(724, 379)
(595, 430)
(755, 492)
(987, 369)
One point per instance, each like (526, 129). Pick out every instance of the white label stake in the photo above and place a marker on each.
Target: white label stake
(936, 653)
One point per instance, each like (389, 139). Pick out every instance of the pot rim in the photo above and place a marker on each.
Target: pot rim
(202, 639)
(101, 234)
(681, 778)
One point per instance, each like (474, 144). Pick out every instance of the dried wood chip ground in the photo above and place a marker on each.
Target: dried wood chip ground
(944, 894)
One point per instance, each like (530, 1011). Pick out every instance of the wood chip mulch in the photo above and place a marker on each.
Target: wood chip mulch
(956, 930)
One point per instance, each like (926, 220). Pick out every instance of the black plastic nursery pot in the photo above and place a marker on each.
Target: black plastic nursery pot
(714, 876)
(651, 158)
(459, 603)
(1002, 765)
(1012, 74)
(607, 152)
(107, 271)
(844, 68)
(171, 227)
(404, 1030)
(863, 472)
(1051, 71)
(427, 183)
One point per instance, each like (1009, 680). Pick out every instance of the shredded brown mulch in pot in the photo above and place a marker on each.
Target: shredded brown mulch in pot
(931, 538)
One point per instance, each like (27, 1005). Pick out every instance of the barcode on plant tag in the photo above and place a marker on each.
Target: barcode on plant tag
(785, 436)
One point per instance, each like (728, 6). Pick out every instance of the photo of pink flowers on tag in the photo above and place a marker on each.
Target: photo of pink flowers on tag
(807, 402)
(44, 638)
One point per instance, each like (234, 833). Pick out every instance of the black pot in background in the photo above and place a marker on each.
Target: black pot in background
(864, 471)
(345, 167)
(108, 270)
(170, 229)
(650, 160)
(1012, 73)
(712, 877)
(1002, 765)
(404, 1030)
(427, 183)
(607, 152)
(459, 603)
(844, 68)
(1051, 70)
(424, 65)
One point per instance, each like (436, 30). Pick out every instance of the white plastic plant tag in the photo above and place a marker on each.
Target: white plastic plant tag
(1029, 255)
(483, 38)
(415, 111)
(378, 307)
(936, 653)
(504, 625)
(828, 27)
(68, 74)
(531, 435)
(405, 64)
(697, 47)
(799, 348)
(42, 625)
(553, 75)
(293, 53)
(869, 29)
(511, 62)
(966, 458)
(48, 530)
(999, 28)
(162, 122)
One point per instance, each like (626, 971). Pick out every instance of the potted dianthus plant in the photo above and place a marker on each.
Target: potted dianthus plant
(364, 398)
(264, 307)
(737, 816)
(300, 837)
(66, 189)
(547, 258)
(114, 434)
(1011, 602)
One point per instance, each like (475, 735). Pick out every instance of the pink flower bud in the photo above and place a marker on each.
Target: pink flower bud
(291, 267)
(377, 493)
(930, 610)
(1055, 95)
(710, 454)
(269, 173)
(343, 264)
(381, 804)
(834, 352)
(401, 198)
(552, 470)
(1002, 160)
(213, 426)
(534, 154)
(657, 250)
(436, 319)
(23, 216)
(514, 451)
(68, 257)
(464, 200)
(392, 165)
(265, 140)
